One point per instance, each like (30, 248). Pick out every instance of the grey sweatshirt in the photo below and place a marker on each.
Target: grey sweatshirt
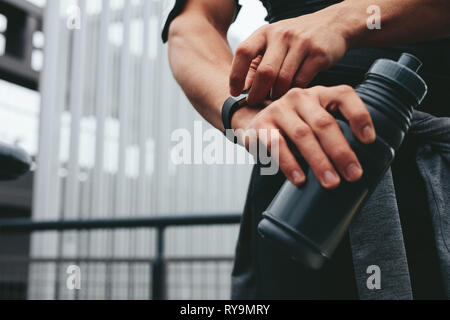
(376, 233)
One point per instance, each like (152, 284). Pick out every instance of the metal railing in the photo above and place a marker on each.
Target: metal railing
(158, 263)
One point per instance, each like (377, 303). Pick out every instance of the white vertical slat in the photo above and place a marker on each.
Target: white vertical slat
(71, 203)
(154, 85)
(164, 129)
(145, 108)
(99, 209)
(124, 106)
(156, 112)
(47, 166)
(72, 200)
(42, 198)
(58, 178)
(102, 100)
(124, 110)
(142, 238)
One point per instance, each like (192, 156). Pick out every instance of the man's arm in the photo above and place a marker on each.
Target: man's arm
(201, 62)
(200, 56)
(296, 50)
(402, 22)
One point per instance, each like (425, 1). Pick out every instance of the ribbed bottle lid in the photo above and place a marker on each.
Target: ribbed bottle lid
(404, 73)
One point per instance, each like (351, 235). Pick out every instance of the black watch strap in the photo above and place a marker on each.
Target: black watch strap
(230, 107)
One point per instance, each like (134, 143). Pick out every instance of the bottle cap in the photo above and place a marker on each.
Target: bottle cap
(404, 73)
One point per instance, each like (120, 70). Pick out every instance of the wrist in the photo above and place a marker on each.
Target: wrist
(349, 21)
(243, 116)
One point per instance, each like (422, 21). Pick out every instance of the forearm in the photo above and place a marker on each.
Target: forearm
(402, 22)
(201, 59)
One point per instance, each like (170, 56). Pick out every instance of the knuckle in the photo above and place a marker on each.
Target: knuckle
(342, 156)
(295, 93)
(267, 71)
(284, 34)
(306, 42)
(317, 91)
(345, 89)
(263, 29)
(317, 51)
(302, 81)
(324, 121)
(284, 77)
(274, 110)
(308, 93)
(302, 132)
(244, 51)
(321, 58)
(323, 62)
(234, 80)
(318, 88)
(361, 117)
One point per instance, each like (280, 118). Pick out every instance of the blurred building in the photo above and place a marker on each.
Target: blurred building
(100, 128)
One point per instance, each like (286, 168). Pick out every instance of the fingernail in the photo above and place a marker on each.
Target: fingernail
(297, 177)
(368, 133)
(330, 178)
(353, 172)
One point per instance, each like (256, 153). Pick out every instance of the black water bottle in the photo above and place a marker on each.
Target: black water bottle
(309, 221)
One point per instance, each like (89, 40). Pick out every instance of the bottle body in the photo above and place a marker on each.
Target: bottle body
(309, 222)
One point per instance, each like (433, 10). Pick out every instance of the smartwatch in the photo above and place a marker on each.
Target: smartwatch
(230, 107)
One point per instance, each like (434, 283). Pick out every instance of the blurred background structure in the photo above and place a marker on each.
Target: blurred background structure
(86, 89)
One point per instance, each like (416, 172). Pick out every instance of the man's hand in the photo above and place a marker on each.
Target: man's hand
(303, 116)
(293, 52)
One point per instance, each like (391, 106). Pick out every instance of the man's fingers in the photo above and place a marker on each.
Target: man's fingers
(352, 108)
(291, 65)
(243, 58)
(267, 73)
(308, 71)
(278, 147)
(306, 142)
(330, 136)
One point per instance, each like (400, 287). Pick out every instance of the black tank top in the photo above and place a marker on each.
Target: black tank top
(351, 69)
